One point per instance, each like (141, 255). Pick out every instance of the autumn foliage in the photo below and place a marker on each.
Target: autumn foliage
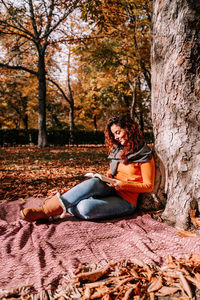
(104, 64)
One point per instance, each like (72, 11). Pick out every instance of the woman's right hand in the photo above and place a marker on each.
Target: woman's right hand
(116, 184)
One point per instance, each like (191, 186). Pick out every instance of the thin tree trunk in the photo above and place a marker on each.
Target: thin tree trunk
(71, 123)
(134, 94)
(71, 115)
(95, 122)
(71, 101)
(25, 115)
(25, 121)
(42, 134)
(175, 103)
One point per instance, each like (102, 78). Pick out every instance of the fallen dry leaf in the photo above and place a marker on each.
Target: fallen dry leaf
(169, 259)
(197, 275)
(181, 298)
(194, 220)
(87, 294)
(195, 258)
(184, 233)
(167, 290)
(106, 297)
(152, 296)
(92, 276)
(103, 291)
(185, 285)
(128, 293)
(155, 285)
(194, 281)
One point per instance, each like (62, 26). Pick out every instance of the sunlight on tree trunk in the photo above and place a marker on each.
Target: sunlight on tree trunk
(175, 103)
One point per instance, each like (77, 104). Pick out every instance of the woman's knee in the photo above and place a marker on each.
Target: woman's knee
(85, 210)
(96, 185)
(95, 181)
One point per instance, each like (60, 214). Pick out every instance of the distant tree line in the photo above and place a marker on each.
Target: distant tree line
(12, 137)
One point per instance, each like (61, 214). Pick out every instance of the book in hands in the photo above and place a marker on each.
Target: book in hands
(102, 177)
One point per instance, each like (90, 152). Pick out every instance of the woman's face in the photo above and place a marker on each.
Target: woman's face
(120, 134)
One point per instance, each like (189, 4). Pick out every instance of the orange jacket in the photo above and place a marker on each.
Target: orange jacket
(135, 178)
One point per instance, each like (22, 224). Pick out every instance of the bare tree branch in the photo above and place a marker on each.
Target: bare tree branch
(8, 31)
(21, 27)
(65, 15)
(21, 68)
(33, 19)
(49, 17)
(59, 88)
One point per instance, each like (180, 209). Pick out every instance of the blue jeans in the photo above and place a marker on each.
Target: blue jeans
(94, 199)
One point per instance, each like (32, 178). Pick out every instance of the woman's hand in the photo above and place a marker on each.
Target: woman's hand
(116, 184)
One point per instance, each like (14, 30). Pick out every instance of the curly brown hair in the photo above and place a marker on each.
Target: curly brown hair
(135, 136)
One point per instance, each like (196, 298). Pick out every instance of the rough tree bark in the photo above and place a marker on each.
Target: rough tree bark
(175, 103)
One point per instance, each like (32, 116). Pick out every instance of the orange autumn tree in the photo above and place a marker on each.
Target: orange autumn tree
(115, 61)
(18, 103)
(17, 100)
(33, 31)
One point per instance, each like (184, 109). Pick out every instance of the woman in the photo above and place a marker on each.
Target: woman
(131, 163)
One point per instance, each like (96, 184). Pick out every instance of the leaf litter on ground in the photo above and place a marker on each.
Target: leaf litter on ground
(40, 172)
(134, 279)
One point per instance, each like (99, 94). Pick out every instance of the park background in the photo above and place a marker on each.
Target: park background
(73, 69)
(66, 67)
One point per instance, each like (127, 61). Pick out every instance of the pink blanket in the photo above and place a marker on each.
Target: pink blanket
(44, 253)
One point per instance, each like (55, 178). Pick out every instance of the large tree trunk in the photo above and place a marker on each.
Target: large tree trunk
(42, 135)
(175, 102)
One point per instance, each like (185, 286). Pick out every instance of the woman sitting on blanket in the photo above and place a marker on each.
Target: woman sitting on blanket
(131, 163)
